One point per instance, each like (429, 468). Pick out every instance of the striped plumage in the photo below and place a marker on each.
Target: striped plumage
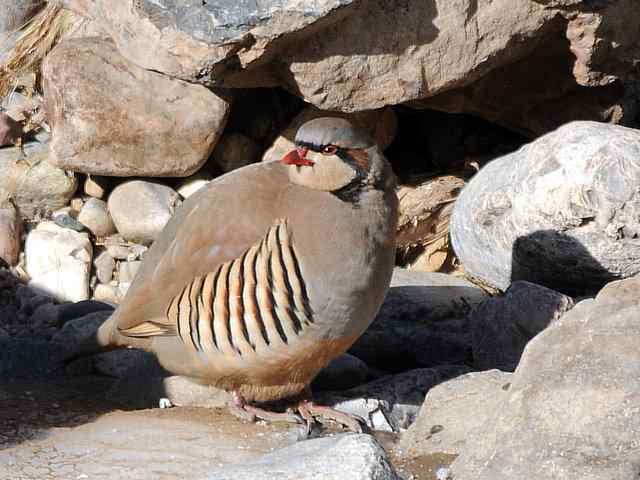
(271, 271)
(247, 304)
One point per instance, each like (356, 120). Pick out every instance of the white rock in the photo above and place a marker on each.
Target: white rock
(58, 260)
(192, 184)
(154, 205)
(117, 247)
(346, 456)
(105, 265)
(95, 216)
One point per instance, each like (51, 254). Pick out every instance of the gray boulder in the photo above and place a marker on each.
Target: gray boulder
(422, 322)
(357, 457)
(572, 411)
(502, 326)
(562, 212)
(453, 409)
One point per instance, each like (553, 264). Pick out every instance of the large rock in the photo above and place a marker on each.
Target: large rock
(85, 443)
(572, 410)
(563, 211)
(111, 117)
(32, 182)
(502, 326)
(154, 206)
(58, 260)
(357, 457)
(451, 410)
(381, 124)
(350, 56)
(422, 322)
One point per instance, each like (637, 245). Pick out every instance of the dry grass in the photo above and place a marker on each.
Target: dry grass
(37, 39)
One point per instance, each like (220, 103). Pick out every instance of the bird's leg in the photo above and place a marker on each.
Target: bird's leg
(241, 409)
(310, 412)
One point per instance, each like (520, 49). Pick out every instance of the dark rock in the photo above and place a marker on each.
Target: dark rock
(343, 372)
(422, 323)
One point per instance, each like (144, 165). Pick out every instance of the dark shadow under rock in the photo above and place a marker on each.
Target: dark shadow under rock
(422, 323)
(502, 326)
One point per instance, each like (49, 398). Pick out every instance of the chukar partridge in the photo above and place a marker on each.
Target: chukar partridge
(271, 271)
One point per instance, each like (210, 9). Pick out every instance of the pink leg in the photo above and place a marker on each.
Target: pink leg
(241, 409)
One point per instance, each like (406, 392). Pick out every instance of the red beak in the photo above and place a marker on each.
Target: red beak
(297, 157)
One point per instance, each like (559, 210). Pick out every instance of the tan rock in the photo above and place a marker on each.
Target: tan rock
(96, 186)
(111, 117)
(382, 124)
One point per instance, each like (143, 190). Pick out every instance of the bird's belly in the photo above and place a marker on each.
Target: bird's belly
(270, 374)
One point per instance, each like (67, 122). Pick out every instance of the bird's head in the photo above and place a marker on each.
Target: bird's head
(334, 156)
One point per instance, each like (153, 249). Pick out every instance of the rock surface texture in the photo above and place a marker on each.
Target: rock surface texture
(111, 117)
(154, 205)
(502, 326)
(453, 410)
(350, 56)
(32, 181)
(572, 409)
(59, 261)
(563, 211)
(422, 322)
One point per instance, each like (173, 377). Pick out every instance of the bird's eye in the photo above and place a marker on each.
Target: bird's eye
(329, 150)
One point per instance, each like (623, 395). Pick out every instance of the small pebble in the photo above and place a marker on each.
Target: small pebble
(443, 473)
(65, 220)
(165, 403)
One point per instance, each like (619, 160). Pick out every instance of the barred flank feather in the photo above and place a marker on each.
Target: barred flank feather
(255, 301)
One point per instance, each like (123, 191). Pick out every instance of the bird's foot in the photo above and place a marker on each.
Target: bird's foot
(242, 410)
(312, 413)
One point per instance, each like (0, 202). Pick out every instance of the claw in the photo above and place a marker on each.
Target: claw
(351, 422)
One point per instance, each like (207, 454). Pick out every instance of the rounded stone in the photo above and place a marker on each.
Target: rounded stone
(154, 205)
(95, 216)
